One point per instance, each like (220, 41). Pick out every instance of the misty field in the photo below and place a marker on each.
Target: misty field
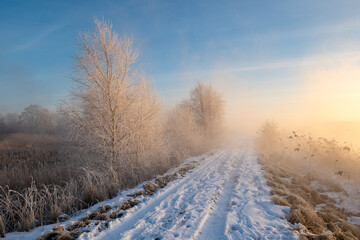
(172, 120)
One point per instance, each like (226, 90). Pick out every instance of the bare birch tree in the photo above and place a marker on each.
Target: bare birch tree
(113, 103)
(208, 108)
(182, 130)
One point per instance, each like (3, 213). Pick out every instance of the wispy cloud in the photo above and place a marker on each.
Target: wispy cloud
(316, 60)
(36, 39)
(313, 60)
(314, 31)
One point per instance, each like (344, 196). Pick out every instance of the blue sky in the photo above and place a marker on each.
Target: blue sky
(259, 47)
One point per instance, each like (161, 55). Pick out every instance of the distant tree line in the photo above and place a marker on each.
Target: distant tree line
(35, 119)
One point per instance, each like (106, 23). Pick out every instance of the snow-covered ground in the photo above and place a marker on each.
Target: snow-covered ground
(224, 197)
(348, 200)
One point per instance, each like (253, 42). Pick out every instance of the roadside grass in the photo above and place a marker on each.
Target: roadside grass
(100, 218)
(42, 178)
(293, 164)
(328, 222)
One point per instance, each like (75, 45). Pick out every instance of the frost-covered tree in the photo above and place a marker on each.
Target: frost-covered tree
(184, 135)
(268, 136)
(36, 119)
(194, 125)
(146, 142)
(208, 108)
(113, 109)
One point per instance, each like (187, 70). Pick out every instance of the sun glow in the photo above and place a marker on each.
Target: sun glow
(325, 95)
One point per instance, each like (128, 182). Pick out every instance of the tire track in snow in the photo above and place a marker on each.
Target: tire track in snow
(253, 215)
(215, 225)
(156, 217)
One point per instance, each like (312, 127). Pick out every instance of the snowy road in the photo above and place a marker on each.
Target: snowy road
(225, 197)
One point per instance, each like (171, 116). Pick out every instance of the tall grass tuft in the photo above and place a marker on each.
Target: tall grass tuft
(326, 159)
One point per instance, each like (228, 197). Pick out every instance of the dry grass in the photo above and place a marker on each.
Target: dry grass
(302, 200)
(39, 205)
(18, 178)
(47, 162)
(41, 180)
(320, 157)
(292, 163)
(17, 140)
